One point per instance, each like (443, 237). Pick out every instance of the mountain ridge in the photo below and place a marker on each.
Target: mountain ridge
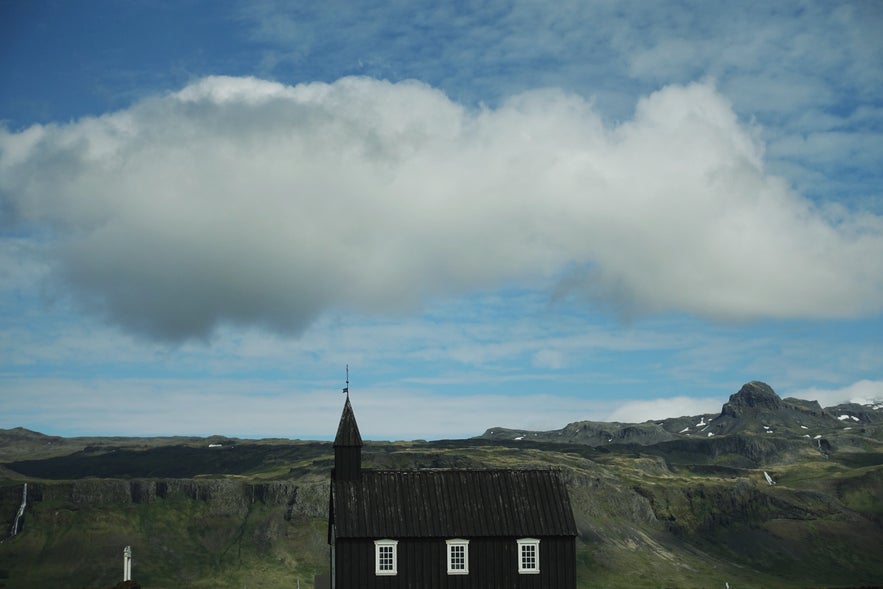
(756, 409)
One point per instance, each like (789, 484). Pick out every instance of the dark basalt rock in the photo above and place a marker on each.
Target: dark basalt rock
(757, 396)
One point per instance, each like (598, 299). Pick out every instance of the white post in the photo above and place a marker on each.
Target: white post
(127, 563)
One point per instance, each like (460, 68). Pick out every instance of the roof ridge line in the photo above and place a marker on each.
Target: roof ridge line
(455, 469)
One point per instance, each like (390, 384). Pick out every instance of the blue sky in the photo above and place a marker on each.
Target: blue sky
(520, 214)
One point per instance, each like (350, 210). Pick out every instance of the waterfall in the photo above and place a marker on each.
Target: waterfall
(21, 511)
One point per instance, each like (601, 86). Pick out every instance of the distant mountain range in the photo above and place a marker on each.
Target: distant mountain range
(754, 409)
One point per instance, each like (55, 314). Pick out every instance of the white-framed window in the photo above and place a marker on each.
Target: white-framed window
(528, 556)
(386, 557)
(458, 556)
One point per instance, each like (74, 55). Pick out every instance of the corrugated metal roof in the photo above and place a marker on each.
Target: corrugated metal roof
(453, 503)
(348, 430)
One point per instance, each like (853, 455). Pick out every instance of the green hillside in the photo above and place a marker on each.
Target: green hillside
(681, 512)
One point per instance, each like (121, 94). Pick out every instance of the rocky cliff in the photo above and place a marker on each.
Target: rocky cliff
(221, 496)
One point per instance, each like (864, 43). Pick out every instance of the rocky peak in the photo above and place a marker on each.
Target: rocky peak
(757, 396)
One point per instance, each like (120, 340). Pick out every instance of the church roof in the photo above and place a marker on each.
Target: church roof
(348, 430)
(452, 503)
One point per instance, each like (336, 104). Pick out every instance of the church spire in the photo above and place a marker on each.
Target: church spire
(348, 430)
(347, 444)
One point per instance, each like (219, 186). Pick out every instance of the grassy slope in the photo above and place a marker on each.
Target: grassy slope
(645, 521)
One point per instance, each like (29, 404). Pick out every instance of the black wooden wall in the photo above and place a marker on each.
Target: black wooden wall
(422, 564)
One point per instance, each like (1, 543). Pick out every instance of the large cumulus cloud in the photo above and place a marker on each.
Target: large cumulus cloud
(242, 201)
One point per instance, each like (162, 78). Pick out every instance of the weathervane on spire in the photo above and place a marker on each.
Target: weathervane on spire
(346, 389)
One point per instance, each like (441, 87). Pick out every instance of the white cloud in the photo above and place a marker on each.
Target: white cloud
(640, 411)
(241, 201)
(863, 391)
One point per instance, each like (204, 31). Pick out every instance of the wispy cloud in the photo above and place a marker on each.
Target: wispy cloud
(261, 409)
(776, 62)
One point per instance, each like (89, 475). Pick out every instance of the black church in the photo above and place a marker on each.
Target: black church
(441, 528)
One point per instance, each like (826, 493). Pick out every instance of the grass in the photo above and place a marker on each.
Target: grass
(178, 543)
(645, 521)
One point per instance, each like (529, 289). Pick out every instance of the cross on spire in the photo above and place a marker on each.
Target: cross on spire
(346, 389)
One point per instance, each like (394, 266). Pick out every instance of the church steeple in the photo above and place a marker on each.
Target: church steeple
(347, 446)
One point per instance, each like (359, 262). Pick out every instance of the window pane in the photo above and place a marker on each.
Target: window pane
(528, 557)
(458, 558)
(384, 558)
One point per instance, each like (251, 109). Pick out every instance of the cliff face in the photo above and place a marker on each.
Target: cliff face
(754, 397)
(221, 496)
(185, 532)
